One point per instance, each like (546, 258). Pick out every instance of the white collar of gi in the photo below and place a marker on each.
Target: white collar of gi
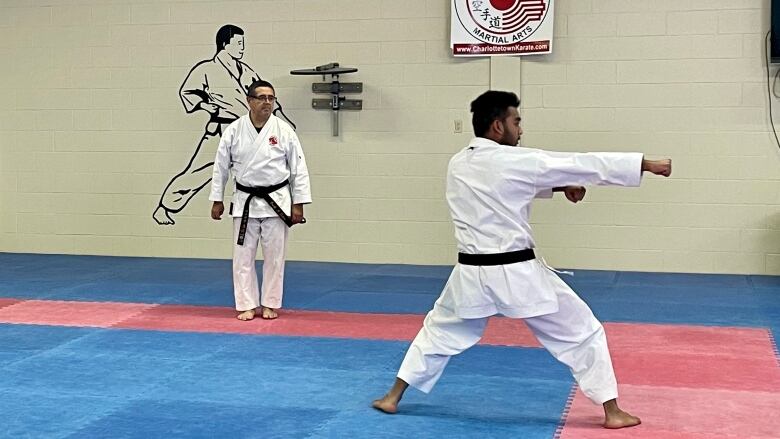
(482, 142)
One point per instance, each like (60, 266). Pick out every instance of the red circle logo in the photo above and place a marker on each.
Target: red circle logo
(502, 5)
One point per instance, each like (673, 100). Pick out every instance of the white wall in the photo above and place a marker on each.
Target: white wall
(683, 79)
(92, 129)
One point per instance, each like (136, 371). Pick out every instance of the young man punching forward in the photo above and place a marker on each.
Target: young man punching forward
(490, 186)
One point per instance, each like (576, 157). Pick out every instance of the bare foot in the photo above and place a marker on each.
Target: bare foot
(269, 313)
(621, 420)
(246, 315)
(162, 217)
(387, 404)
(614, 417)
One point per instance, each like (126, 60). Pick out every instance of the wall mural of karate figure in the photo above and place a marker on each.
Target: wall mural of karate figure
(217, 86)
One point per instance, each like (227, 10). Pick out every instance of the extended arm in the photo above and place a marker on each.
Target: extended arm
(554, 170)
(658, 167)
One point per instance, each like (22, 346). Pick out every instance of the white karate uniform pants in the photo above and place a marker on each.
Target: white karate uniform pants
(271, 233)
(572, 335)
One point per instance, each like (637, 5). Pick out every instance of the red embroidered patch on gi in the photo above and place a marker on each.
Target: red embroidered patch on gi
(273, 141)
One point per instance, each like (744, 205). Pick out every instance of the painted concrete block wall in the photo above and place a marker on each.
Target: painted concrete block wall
(92, 127)
(680, 79)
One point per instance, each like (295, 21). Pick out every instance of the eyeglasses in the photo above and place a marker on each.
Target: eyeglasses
(264, 98)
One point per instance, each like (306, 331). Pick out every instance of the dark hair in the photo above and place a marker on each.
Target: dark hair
(490, 106)
(225, 34)
(259, 83)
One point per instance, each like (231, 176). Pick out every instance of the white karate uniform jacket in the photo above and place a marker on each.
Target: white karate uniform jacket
(490, 188)
(261, 159)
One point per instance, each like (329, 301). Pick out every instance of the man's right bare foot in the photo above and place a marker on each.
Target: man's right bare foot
(386, 404)
(621, 420)
(246, 315)
(614, 417)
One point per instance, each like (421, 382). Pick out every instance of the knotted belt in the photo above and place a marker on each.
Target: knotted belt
(262, 192)
(496, 258)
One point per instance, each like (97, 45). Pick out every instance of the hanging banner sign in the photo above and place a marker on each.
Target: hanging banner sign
(501, 27)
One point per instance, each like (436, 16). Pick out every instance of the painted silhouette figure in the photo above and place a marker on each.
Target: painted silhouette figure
(219, 87)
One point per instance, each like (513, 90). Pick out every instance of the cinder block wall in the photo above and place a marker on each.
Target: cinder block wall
(680, 79)
(92, 127)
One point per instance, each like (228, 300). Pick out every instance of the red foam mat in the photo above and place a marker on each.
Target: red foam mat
(8, 302)
(687, 382)
(672, 413)
(693, 356)
(698, 371)
(727, 341)
(500, 331)
(62, 313)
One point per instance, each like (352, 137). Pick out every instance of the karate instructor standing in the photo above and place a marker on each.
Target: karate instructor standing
(272, 185)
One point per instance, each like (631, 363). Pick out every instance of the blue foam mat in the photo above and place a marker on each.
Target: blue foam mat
(207, 420)
(48, 415)
(140, 384)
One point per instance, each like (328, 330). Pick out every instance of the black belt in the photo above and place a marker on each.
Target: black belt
(262, 192)
(496, 258)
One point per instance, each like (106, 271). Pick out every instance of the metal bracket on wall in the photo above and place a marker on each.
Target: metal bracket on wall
(334, 88)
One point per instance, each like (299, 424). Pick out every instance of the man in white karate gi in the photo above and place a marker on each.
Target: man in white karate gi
(271, 186)
(490, 186)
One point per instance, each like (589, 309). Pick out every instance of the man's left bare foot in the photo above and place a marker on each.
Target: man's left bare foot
(269, 313)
